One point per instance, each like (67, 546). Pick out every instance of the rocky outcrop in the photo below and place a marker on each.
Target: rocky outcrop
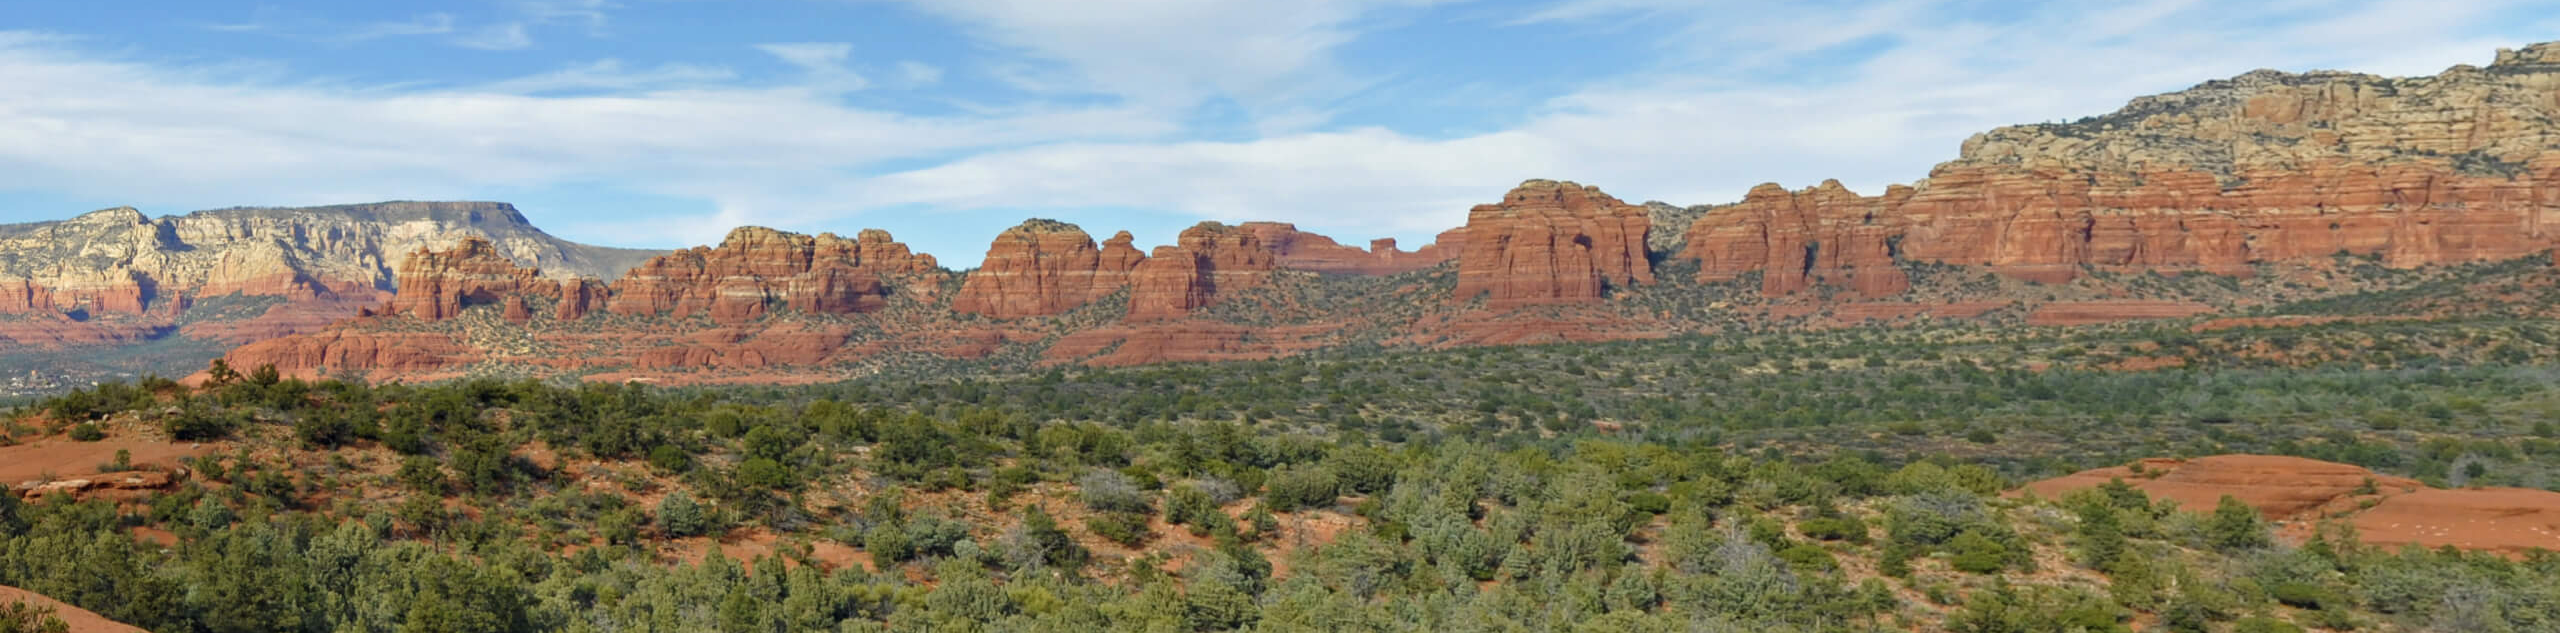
(1210, 258)
(1797, 239)
(756, 270)
(1552, 242)
(437, 285)
(1044, 267)
(356, 350)
(2264, 167)
(117, 277)
(1300, 250)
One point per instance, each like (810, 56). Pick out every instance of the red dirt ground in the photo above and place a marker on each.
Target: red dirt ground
(60, 457)
(2297, 492)
(81, 620)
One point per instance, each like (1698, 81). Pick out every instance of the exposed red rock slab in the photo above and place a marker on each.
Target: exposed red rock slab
(44, 465)
(2110, 311)
(1551, 242)
(2506, 520)
(80, 620)
(344, 348)
(2279, 487)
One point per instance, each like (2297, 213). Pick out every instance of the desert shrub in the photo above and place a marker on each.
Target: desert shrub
(1294, 487)
(1125, 528)
(1106, 490)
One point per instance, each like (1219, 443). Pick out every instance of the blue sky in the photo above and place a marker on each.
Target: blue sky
(665, 122)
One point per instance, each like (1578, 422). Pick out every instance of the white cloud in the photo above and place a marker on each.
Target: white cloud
(429, 24)
(497, 37)
(1174, 53)
(609, 75)
(919, 73)
(105, 127)
(1707, 128)
(823, 63)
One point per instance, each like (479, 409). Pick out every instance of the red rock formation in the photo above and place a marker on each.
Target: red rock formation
(1301, 250)
(580, 297)
(1552, 242)
(1210, 259)
(2048, 225)
(755, 269)
(1794, 239)
(437, 285)
(1045, 267)
(314, 355)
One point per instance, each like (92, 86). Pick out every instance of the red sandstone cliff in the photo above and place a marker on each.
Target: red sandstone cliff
(2264, 167)
(1552, 242)
(1045, 267)
(439, 284)
(1210, 258)
(756, 269)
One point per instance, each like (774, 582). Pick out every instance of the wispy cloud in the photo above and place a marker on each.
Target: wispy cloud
(609, 75)
(591, 15)
(497, 37)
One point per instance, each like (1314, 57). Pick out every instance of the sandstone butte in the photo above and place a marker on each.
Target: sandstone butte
(2299, 493)
(2262, 168)
(1552, 242)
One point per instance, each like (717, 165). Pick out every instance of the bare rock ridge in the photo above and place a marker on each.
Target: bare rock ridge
(2267, 166)
(756, 269)
(1552, 242)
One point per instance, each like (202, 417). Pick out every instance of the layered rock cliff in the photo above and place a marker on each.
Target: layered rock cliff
(756, 269)
(75, 293)
(2264, 167)
(1210, 258)
(121, 261)
(1043, 267)
(1552, 242)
